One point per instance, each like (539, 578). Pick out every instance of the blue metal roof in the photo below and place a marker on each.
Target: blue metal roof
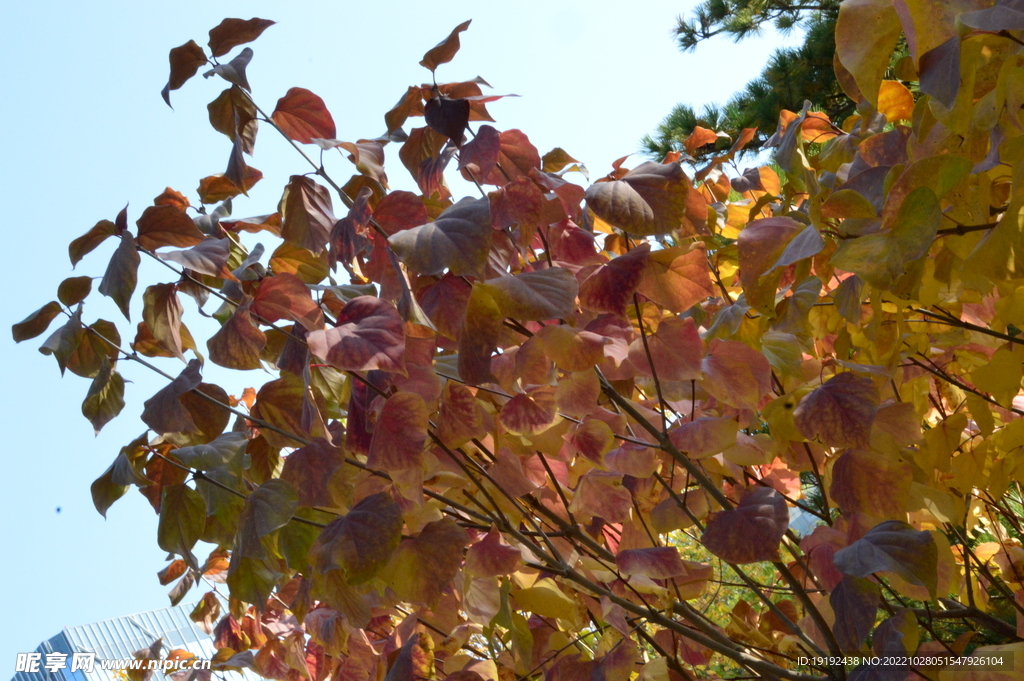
(119, 638)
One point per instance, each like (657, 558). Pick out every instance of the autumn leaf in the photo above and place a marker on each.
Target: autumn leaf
(301, 116)
(444, 51)
(751, 531)
(458, 240)
(233, 32)
(840, 412)
(368, 334)
(362, 541)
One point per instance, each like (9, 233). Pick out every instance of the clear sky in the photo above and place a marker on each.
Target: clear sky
(83, 131)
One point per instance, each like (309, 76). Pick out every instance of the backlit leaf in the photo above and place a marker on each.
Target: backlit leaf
(362, 541)
(105, 398)
(36, 323)
(400, 433)
(610, 288)
(368, 334)
(164, 412)
(751, 531)
(677, 278)
(302, 115)
(840, 413)
(182, 517)
(185, 61)
(90, 240)
(308, 214)
(238, 344)
(422, 566)
(893, 546)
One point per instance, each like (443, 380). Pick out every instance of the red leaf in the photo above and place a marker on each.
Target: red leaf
(490, 557)
(400, 433)
(311, 470)
(516, 157)
(751, 532)
(858, 476)
(530, 412)
(675, 349)
(460, 417)
(601, 494)
(238, 344)
(369, 334)
(301, 116)
(233, 32)
(285, 296)
(400, 210)
(736, 374)
(705, 436)
(478, 156)
(610, 288)
(657, 563)
(841, 412)
(677, 278)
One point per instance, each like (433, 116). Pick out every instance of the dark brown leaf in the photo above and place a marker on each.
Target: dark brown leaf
(35, 323)
(185, 61)
(162, 226)
(450, 117)
(90, 240)
(164, 412)
(308, 214)
(238, 344)
(233, 32)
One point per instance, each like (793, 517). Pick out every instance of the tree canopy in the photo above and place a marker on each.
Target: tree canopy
(791, 76)
(665, 425)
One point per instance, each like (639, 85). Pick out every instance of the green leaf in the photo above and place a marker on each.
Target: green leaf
(182, 519)
(105, 398)
(423, 566)
(73, 290)
(267, 509)
(105, 491)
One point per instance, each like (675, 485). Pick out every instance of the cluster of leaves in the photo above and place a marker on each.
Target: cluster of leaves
(485, 456)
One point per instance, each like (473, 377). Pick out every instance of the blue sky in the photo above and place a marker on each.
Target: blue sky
(83, 131)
